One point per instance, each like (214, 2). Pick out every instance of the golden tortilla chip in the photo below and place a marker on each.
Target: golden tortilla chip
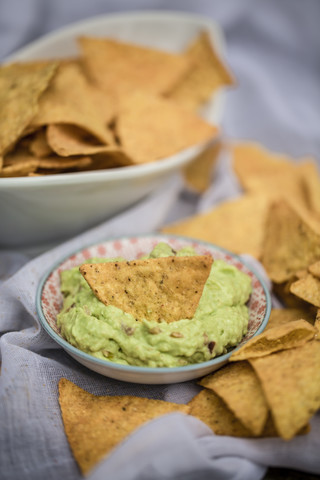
(198, 173)
(314, 269)
(317, 324)
(208, 74)
(21, 85)
(260, 170)
(237, 224)
(290, 243)
(121, 67)
(38, 145)
(150, 128)
(210, 409)
(96, 425)
(19, 169)
(307, 288)
(283, 337)
(281, 316)
(67, 140)
(310, 174)
(291, 382)
(238, 386)
(60, 163)
(160, 289)
(70, 100)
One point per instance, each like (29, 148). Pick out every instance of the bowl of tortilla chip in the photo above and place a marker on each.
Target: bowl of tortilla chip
(99, 114)
(152, 309)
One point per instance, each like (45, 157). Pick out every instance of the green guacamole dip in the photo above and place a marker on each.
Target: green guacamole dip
(106, 332)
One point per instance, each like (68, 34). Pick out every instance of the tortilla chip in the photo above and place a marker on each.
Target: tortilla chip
(160, 289)
(310, 174)
(210, 409)
(121, 67)
(281, 316)
(283, 337)
(260, 170)
(70, 100)
(96, 425)
(19, 169)
(198, 174)
(317, 324)
(150, 128)
(291, 382)
(38, 145)
(290, 243)
(238, 386)
(21, 85)
(314, 269)
(237, 224)
(307, 288)
(208, 74)
(67, 140)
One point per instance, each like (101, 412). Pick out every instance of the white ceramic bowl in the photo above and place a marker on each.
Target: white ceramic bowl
(49, 301)
(49, 209)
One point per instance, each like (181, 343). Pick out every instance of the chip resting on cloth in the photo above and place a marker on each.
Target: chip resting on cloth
(95, 425)
(159, 289)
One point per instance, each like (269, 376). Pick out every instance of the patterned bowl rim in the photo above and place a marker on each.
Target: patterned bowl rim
(137, 369)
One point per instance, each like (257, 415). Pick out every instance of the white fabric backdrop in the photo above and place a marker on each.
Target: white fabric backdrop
(272, 47)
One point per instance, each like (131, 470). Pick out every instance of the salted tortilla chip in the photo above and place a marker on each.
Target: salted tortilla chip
(307, 288)
(67, 140)
(310, 174)
(237, 224)
(150, 128)
(290, 243)
(291, 382)
(20, 169)
(283, 337)
(38, 145)
(208, 74)
(210, 409)
(238, 386)
(21, 85)
(317, 324)
(260, 170)
(160, 289)
(121, 67)
(69, 100)
(198, 174)
(281, 316)
(95, 425)
(314, 269)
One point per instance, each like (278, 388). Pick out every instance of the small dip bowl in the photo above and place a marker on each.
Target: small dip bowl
(49, 301)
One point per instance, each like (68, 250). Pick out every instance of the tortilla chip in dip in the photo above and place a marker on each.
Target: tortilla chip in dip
(158, 289)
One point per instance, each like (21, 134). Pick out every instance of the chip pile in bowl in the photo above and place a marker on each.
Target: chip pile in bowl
(116, 104)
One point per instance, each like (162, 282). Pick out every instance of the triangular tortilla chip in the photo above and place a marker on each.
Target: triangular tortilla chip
(160, 289)
(236, 224)
(198, 173)
(95, 425)
(206, 77)
(121, 67)
(281, 316)
(21, 85)
(291, 243)
(150, 128)
(276, 175)
(70, 100)
(283, 337)
(291, 382)
(68, 140)
(315, 269)
(307, 288)
(240, 389)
